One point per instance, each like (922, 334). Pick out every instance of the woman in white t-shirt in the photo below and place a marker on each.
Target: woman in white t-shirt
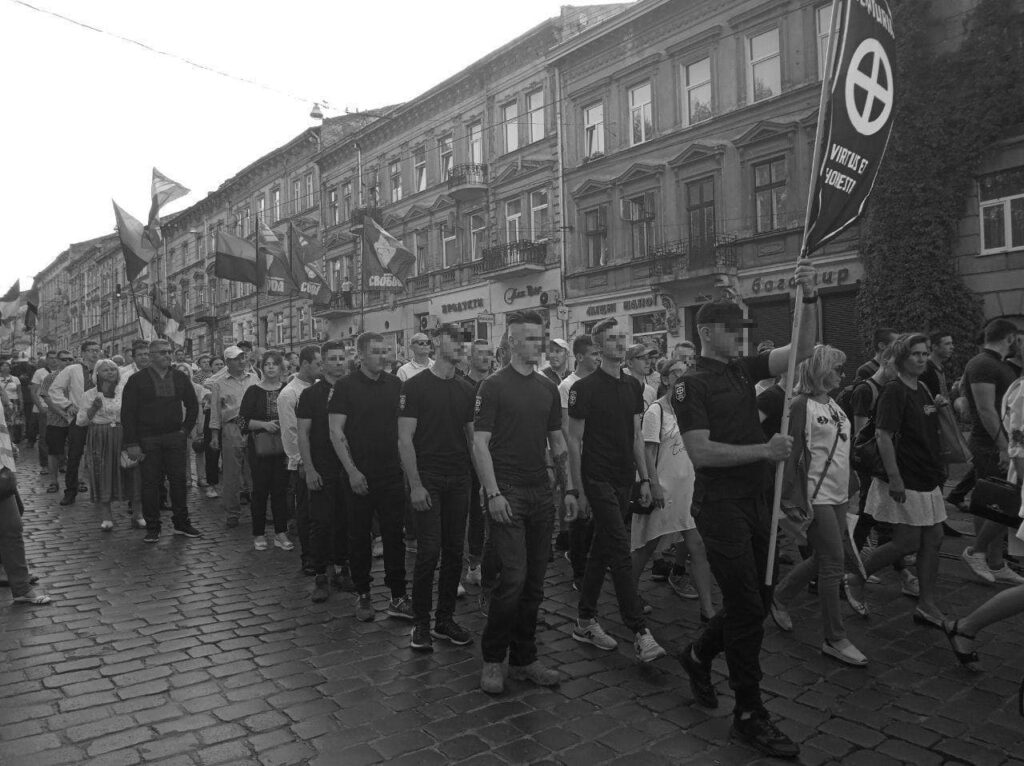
(672, 478)
(816, 491)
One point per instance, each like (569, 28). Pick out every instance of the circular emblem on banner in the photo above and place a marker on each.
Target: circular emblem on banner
(572, 398)
(680, 391)
(869, 88)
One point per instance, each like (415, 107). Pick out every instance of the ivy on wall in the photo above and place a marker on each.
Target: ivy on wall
(950, 108)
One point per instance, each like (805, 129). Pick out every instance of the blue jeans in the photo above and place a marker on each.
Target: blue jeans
(609, 508)
(521, 549)
(439, 535)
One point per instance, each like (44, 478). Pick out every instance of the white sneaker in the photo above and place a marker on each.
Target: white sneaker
(212, 493)
(591, 632)
(978, 565)
(911, 586)
(259, 543)
(378, 548)
(1007, 576)
(460, 592)
(472, 576)
(647, 649)
(281, 541)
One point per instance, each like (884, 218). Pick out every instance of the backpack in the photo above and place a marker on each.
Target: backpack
(845, 396)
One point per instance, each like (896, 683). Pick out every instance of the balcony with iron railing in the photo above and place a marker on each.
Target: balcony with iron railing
(467, 182)
(513, 258)
(679, 259)
(343, 303)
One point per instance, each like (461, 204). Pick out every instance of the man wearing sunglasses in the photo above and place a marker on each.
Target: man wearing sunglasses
(420, 346)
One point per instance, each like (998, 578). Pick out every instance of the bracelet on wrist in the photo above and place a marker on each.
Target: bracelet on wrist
(645, 481)
(573, 492)
(810, 299)
(492, 495)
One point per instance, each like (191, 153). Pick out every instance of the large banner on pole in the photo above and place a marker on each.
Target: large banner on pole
(858, 122)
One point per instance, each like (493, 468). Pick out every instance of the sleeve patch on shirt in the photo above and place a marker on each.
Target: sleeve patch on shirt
(679, 394)
(476, 406)
(401, 403)
(572, 398)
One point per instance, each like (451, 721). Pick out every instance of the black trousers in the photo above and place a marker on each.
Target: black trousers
(164, 456)
(269, 482)
(76, 448)
(386, 502)
(440, 531)
(328, 524)
(210, 455)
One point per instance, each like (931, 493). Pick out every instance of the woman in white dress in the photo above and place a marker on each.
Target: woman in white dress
(672, 477)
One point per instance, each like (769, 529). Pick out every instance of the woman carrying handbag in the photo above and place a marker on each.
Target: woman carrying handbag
(258, 419)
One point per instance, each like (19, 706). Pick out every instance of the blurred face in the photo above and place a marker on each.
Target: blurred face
(482, 357)
(916, 363)
(451, 349)
(216, 365)
(373, 358)
(51, 358)
(160, 356)
(726, 341)
(526, 341)
(613, 344)
(944, 348)
(5, 369)
(334, 363)
(557, 356)
(272, 369)
(204, 364)
(589, 360)
(237, 365)
(684, 354)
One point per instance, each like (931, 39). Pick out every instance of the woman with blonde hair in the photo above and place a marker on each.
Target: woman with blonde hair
(816, 489)
(101, 414)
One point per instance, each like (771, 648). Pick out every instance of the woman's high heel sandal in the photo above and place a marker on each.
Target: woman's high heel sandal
(969, 659)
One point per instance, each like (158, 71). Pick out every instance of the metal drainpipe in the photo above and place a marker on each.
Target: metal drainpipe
(561, 193)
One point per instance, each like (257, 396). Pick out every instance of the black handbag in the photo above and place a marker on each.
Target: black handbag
(8, 483)
(635, 506)
(865, 457)
(997, 500)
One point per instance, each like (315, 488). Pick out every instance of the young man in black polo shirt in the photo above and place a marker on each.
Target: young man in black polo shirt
(718, 417)
(517, 415)
(324, 477)
(435, 429)
(363, 417)
(605, 449)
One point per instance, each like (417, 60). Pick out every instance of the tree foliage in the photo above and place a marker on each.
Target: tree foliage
(950, 108)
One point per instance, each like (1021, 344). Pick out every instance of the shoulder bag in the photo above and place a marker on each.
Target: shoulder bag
(952, 445)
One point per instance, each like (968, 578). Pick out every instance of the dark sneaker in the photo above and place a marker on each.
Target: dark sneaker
(660, 570)
(307, 568)
(534, 673)
(562, 541)
(700, 678)
(320, 590)
(82, 487)
(68, 499)
(364, 608)
(342, 581)
(421, 640)
(452, 632)
(401, 608)
(484, 602)
(188, 530)
(757, 730)
(243, 497)
(152, 536)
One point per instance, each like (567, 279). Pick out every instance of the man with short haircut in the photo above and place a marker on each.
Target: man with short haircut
(363, 418)
(419, 344)
(883, 337)
(556, 367)
(57, 422)
(158, 411)
(934, 376)
(66, 394)
(517, 415)
(638, 365)
(605, 452)
(226, 391)
(48, 365)
(581, 529)
(322, 473)
(435, 429)
(140, 360)
(986, 379)
(306, 373)
(717, 413)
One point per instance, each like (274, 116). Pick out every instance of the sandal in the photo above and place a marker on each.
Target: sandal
(969, 659)
(33, 598)
(52, 488)
(858, 603)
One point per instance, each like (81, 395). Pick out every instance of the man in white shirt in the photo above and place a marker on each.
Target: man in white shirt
(638, 365)
(37, 380)
(226, 391)
(306, 373)
(66, 394)
(557, 365)
(420, 346)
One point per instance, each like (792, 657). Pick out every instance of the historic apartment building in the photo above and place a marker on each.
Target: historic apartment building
(631, 160)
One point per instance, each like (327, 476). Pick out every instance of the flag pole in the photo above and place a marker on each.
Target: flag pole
(291, 269)
(794, 337)
(259, 280)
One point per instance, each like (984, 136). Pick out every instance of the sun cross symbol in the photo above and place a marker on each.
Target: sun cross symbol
(384, 248)
(869, 94)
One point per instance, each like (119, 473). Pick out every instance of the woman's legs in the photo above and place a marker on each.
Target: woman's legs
(641, 556)
(105, 513)
(828, 538)
(700, 570)
(1000, 607)
(928, 567)
(262, 478)
(278, 468)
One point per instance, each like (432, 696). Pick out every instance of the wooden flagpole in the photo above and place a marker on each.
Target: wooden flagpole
(780, 467)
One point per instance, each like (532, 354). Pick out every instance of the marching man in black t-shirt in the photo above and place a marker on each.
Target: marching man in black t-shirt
(518, 414)
(717, 413)
(605, 451)
(435, 430)
(363, 417)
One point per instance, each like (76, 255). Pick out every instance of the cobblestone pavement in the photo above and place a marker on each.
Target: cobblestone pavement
(207, 652)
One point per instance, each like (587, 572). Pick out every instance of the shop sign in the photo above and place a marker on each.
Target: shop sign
(485, 316)
(781, 284)
(636, 304)
(514, 294)
(600, 310)
(458, 308)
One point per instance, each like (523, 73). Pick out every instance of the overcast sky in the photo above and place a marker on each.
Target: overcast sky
(87, 116)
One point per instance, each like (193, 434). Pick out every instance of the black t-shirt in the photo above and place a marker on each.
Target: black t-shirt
(518, 411)
(371, 422)
(609, 406)
(312, 406)
(864, 398)
(985, 367)
(934, 378)
(911, 414)
(719, 397)
(771, 402)
(866, 370)
(442, 407)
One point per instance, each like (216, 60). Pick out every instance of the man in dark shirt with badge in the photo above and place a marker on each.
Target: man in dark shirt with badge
(605, 449)
(324, 477)
(363, 418)
(518, 413)
(718, 417)
(435, 429)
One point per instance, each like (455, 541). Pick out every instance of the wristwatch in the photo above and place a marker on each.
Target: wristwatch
(574, 492)
(493, 495)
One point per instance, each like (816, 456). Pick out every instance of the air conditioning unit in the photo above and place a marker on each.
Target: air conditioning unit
(550, 298)
(429, 322)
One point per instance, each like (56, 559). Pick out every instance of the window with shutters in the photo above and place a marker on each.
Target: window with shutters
(839, 328)
(773, 318)
(595, 236)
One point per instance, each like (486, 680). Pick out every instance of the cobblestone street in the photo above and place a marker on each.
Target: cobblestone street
(206, 652)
